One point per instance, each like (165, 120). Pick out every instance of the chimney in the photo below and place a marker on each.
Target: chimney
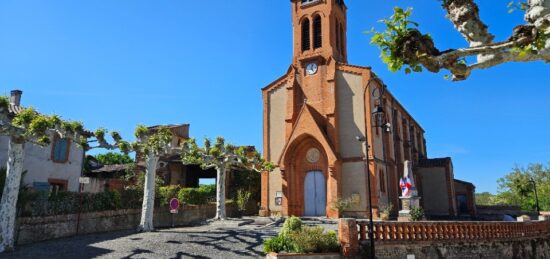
(15, 97)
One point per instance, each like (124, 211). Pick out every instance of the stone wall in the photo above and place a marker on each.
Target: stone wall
(522, 248)
(35, 229)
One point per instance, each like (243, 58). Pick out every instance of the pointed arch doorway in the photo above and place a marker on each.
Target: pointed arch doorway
(315, 196)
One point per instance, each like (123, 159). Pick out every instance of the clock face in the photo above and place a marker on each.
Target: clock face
(311, 68)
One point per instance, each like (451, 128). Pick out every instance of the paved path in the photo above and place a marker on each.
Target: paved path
(209, 241)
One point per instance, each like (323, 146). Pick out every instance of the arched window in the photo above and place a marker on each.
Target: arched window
(317, 32)
(342, 40)
(382, 181)
(305, 35)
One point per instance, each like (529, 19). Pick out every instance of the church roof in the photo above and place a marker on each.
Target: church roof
(435, 162)
(464, 182)
(279, 80)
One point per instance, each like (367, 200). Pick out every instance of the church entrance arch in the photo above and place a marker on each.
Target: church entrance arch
(305, 178)
(315, 196)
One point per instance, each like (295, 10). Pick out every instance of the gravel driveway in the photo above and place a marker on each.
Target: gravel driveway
(208, 241)
(218, 239)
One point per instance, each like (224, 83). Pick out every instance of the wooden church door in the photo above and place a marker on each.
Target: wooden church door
(315, 198)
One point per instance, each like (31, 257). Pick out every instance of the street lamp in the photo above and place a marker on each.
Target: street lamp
(378, 120)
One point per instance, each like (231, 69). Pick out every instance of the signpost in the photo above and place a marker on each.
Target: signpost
(174, 206)
(82, 181)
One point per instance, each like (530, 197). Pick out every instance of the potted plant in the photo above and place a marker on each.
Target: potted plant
(297, 241)
(341, 205)
(385, 211)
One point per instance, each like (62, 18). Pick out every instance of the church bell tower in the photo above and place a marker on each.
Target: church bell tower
(319, 31)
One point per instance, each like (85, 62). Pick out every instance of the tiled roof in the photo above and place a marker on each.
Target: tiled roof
(14, 109)
(435, 162)
(110, 169)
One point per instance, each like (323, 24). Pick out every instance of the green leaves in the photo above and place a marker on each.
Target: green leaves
(517, 5)
(398, 28)
(4, 103)
(100, 133)
(141, 131)
(25, 117)
(112, 158)
(518, 187)
(223, 153)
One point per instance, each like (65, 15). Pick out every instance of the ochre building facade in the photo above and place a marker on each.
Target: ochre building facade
(312, 116)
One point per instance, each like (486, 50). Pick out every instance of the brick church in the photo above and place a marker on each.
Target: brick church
(312, 116)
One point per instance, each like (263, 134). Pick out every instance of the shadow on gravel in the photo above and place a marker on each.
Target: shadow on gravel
(69, 247)
(215, 240)
(180, 255)
(137, 252)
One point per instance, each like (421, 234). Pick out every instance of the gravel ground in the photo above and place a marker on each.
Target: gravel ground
(213, 240)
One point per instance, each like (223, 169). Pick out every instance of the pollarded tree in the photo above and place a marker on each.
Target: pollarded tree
(28, 126)
(403, 45)
(223, 157)
(151, 145)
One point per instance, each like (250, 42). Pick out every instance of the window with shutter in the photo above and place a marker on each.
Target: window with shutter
(60, 150)
(317, 33)
(305, 35)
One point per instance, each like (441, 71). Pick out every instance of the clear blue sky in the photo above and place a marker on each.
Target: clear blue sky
(119, 63)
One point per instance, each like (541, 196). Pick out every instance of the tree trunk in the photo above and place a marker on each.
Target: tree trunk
(146, 223)
(16, 154)
(220, 193)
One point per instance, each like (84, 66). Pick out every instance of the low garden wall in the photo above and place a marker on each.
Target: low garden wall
(451, 239)
(34, 229)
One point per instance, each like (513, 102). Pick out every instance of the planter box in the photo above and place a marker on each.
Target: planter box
(304, 256)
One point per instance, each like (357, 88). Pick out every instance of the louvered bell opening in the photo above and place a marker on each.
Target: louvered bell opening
(317, 33)
(305, 35)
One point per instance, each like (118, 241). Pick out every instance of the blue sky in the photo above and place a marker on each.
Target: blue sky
(116, 64)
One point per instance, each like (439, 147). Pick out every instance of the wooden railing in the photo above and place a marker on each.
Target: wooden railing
(451, 231)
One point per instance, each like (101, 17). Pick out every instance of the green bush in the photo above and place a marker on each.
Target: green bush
(314, 240)
(294, 238)
(197, 196)
(43, 203)
(192, 196)
(242, 199)
(131, 198)
(166, 193)
(291, 224)
(277, 244)
(208, 189)
(417, 214)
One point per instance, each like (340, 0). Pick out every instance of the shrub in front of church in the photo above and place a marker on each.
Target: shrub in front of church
(166, 193)
(43, 203)
(291, 224)
(314, 240)
(197, 196)
(294, 238)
